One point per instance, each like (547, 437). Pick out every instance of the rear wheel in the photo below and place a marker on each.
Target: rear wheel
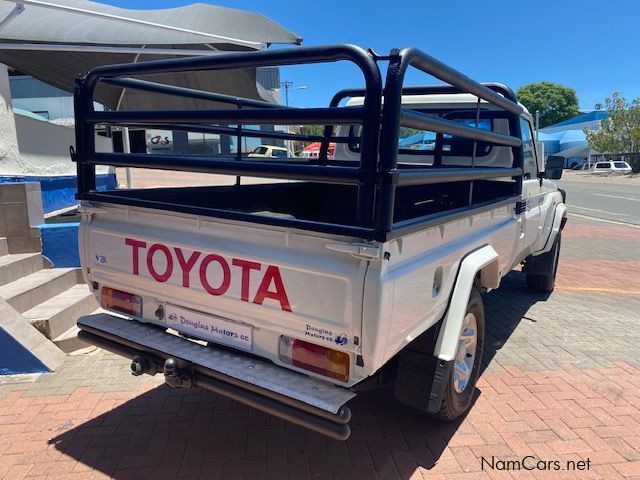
(459, 388)
(546, 281)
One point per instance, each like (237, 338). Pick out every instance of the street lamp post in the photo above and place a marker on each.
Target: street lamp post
(288, 85)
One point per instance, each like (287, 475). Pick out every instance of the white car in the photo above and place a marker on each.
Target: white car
(611, 167)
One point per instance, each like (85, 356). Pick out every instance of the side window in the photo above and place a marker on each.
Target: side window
(529, 164)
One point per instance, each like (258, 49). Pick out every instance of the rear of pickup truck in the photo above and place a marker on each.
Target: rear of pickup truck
(369, 265)
(249, 306)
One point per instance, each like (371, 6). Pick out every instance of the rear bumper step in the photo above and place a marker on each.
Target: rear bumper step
(274, 390)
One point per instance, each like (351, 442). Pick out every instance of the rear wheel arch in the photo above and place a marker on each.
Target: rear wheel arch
(425, 366)
(481, 265)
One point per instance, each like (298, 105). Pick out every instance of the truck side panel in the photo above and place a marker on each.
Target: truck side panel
(409, 293)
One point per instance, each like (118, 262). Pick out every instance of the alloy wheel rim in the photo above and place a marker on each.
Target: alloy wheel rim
(465, 353)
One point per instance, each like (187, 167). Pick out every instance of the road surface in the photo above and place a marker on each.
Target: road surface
(604, 202)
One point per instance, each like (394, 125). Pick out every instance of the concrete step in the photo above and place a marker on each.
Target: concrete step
(16, 266)
(58, 314)
(4, 246)
(69, 342)
(27, 292)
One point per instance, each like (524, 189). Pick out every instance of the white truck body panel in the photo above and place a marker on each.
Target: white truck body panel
(400, 300)
(325, 289)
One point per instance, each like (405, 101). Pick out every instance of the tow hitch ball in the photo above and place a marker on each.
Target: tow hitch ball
(176, 378)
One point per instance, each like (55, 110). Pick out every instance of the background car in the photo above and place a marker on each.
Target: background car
(583, 166)
(269, 151)
(611, 167)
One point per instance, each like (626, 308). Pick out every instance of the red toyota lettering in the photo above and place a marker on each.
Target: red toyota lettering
(136, 245)
(279, 294)
(271, 285)
(226, 275)
(246, 266)
(169, 261)
(186, 266)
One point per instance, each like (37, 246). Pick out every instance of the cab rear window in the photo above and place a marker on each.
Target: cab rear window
(414, 141)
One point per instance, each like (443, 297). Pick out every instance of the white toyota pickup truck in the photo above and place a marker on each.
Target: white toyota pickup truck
(338, 274)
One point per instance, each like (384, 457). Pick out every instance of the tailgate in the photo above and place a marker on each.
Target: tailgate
(273, 280)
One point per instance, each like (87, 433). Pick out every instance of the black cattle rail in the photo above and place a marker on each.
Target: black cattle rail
(377, 175)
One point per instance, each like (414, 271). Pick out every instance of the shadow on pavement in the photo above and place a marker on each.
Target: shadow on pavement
(167, 433)
(505, 308)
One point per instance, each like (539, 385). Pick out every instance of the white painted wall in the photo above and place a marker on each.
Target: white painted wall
(9, 155)
(44, 148)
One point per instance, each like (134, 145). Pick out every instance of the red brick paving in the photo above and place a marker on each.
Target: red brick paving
(599, 258)
(557, 414)
(158, 433)
(607, 276)
(575, 229)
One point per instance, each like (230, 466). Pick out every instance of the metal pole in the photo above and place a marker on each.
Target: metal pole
(286, 85)
(537, 124)
(473, 156)
(126, 148)
(239, 144)
(49, 47)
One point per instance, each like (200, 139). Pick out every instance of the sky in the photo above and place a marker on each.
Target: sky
(592, 46)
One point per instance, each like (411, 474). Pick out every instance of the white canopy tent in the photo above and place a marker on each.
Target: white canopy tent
(56, 41)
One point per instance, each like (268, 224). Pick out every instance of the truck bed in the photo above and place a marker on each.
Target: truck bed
(333, 204)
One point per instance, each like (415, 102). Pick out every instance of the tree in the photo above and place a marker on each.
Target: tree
(312, 130)
(555, 102)
(619, 134)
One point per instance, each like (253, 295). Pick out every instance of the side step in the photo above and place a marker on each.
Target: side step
(289, 395)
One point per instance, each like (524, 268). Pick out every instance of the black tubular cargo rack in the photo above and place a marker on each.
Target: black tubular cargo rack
(377, 176)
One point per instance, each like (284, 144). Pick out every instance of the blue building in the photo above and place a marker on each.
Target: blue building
(567, 139)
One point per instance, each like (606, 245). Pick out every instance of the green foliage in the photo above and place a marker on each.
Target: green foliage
(407, 132)
(555, 102)
(620, 133)
(312, 130)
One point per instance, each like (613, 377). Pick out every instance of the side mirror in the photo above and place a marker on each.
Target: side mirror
(553, 167)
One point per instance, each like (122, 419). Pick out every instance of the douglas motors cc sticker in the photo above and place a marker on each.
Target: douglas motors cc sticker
(320, 333)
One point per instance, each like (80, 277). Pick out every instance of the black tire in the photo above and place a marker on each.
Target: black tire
(454, 403)
(546, 282)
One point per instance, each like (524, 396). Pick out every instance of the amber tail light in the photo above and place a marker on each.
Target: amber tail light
(121, 301)
(315, 358)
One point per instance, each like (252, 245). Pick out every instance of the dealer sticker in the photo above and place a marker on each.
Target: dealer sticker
(209, 327)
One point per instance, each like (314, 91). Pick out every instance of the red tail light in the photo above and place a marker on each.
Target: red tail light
(315, 358)
(121, 301)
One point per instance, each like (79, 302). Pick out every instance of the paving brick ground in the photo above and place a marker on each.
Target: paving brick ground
(561, 383)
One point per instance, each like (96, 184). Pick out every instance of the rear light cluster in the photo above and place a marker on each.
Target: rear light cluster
(121, 301)
(314, 358)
